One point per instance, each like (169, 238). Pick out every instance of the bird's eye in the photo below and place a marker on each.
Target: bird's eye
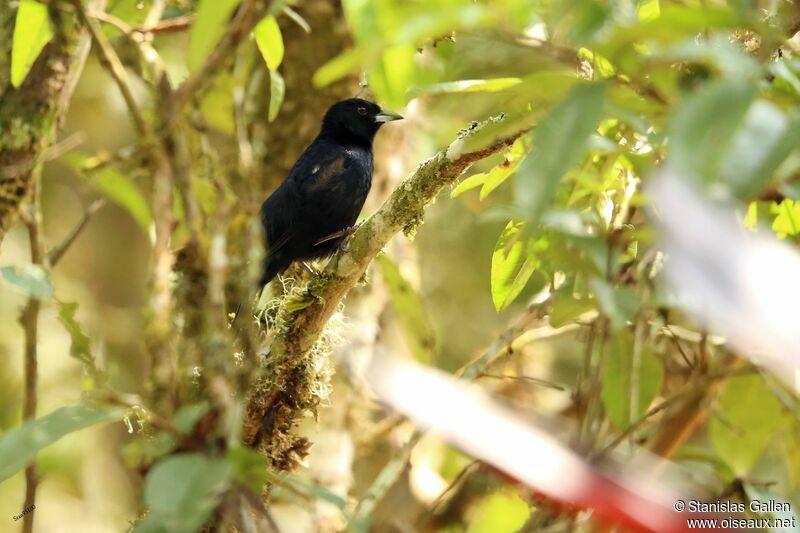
(362, 110)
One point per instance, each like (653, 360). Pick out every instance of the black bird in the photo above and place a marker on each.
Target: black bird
(308, 215)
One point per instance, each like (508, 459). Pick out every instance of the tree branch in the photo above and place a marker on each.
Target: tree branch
(275, 407)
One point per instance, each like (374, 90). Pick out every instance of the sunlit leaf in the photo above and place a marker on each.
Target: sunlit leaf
(496, 176)
(624, 377)
(210, 23)
(559, 142)
(19, 447)
(501, 512)
(410, 309)
(514, 260)
(32, 31)
(269, 41)
(787, 221)
(277, 90)
(747, 416)
(181, 491)
(29, 279)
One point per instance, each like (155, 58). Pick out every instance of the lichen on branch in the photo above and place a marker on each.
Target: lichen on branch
(286, 391)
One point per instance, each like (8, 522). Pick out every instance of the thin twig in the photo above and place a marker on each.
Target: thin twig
(109, 59)
(30, 323)
(58, 252)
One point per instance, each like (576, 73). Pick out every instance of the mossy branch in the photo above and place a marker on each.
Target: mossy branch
(279, 401)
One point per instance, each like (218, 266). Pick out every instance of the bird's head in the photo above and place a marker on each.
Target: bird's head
(356, 118)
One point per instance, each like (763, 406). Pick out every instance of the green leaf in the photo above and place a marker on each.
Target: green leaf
(209, 25)
(277, 90)
(269, 41)
(116, 187)
(30, 279)
(567, 308)
(32, 31)
(496, 176)
(410, 309)
(80, 345)
(188, 415)
(747, 416)
(618, 376)
(703, 127)
(514, 260)
(766, 139)
(787, 223)
(249, 468)
(182, 491)
(560, 141)
(217, 104)
(501, 512)
(619, 304)
(18, 448)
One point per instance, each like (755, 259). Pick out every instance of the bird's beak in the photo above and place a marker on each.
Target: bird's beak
(387, 116)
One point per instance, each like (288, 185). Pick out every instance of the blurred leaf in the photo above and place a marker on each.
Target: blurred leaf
(32, 31)
(410, 309)
(763, 143)
(702, 129)
(648, 9)
(467, 86)
(515, 258)
(751, 218)
(270, 42)
(787, 223)
(30, 279)
(277, 90)
(249, 468)
(391, 77)
(618, 376)
(19, 447)
(567, 308)
(501, 512)
(759, 498)
(747, 416)
(80, 345)
(560, 141)
(208, 26)
(308, 488)
(116, 187)
(338, 67)
(187, 416)
(182, 491)
(619, 304)
(217, 104)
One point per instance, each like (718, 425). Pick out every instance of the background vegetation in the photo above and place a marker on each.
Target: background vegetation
(139, 137)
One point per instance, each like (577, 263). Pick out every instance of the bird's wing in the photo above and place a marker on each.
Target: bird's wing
(319, 167)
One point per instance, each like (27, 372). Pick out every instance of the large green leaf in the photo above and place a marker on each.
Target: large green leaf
(32, 31)
(29, 279)
(787, 220)
(19, 447)
(410, 309)
(269, 41)
(210, 22)
(514, 260)
(618, 381)
(619, 304)
(747, 416)
(560, 141)
(702, 129)
(182, 491)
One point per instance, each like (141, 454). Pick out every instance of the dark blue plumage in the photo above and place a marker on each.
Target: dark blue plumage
(325, 190)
